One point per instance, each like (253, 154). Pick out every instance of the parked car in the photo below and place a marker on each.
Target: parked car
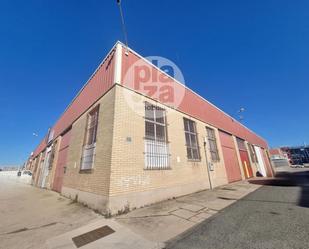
(27, 172)
(297, 166)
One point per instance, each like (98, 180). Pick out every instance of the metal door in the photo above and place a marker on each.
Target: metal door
(230, 157)
(260, 160)
(45, 170)
(62, 161)
(244, 157)
(267, 163)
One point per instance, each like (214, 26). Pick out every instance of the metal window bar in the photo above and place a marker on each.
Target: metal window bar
(190, 130)
(88, 154)
(88, 157)
(92, 127)
(213, 148)
(156, 155)
(156, 146)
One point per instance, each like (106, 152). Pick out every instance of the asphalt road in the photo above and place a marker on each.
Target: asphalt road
(275, 216)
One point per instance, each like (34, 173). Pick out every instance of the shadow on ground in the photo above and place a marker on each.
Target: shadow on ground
(290, 179)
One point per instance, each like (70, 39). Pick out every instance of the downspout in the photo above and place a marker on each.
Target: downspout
(207, 164)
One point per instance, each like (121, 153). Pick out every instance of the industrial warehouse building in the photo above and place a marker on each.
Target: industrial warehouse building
(109, 156)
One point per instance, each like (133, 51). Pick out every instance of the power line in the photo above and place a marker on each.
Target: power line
(123, 23)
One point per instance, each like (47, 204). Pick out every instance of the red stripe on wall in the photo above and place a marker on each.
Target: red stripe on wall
(192, 104)
(100, 83)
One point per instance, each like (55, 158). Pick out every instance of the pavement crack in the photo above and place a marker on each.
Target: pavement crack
(227, 198)
(18, 230)
(49, 224)
(266, 201)
(141, 217)
(229, 189)
(24, 229)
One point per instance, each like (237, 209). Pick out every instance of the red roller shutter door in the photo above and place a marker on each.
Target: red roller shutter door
(230, 157)
(62, 160)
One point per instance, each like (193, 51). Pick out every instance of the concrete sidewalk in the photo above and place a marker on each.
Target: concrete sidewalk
(122, 238)
(165, 220)
(151, 226)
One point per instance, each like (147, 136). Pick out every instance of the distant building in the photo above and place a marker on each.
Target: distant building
(10, 167)
(296, 155)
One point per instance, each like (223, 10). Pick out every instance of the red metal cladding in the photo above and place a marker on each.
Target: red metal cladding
(61, 162)
(230, 157)
(40, 148)
(275, 152)
(100, 83)
(226, 140)
(191, 103)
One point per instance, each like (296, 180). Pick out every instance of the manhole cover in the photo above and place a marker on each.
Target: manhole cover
(91, 236)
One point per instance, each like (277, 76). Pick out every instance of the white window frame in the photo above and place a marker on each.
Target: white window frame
(157, 155)
(189, 144)
(89, 149)
(212, 140)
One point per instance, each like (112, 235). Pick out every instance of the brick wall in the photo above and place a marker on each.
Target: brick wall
(95, 181)
(131, 184)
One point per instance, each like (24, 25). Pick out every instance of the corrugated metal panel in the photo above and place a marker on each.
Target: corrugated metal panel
(195, 106)
(230, 157)
(275, 152)
(100, 83)
(226, 140)
(40, 148)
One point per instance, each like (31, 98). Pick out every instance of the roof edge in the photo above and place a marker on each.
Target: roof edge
(161, 71)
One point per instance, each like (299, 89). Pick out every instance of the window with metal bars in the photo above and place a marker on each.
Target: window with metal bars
(213, 148)
(193, 151)
(156, 144)
(90, 139)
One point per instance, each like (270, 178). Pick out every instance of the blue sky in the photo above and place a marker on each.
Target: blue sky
(251, 54)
